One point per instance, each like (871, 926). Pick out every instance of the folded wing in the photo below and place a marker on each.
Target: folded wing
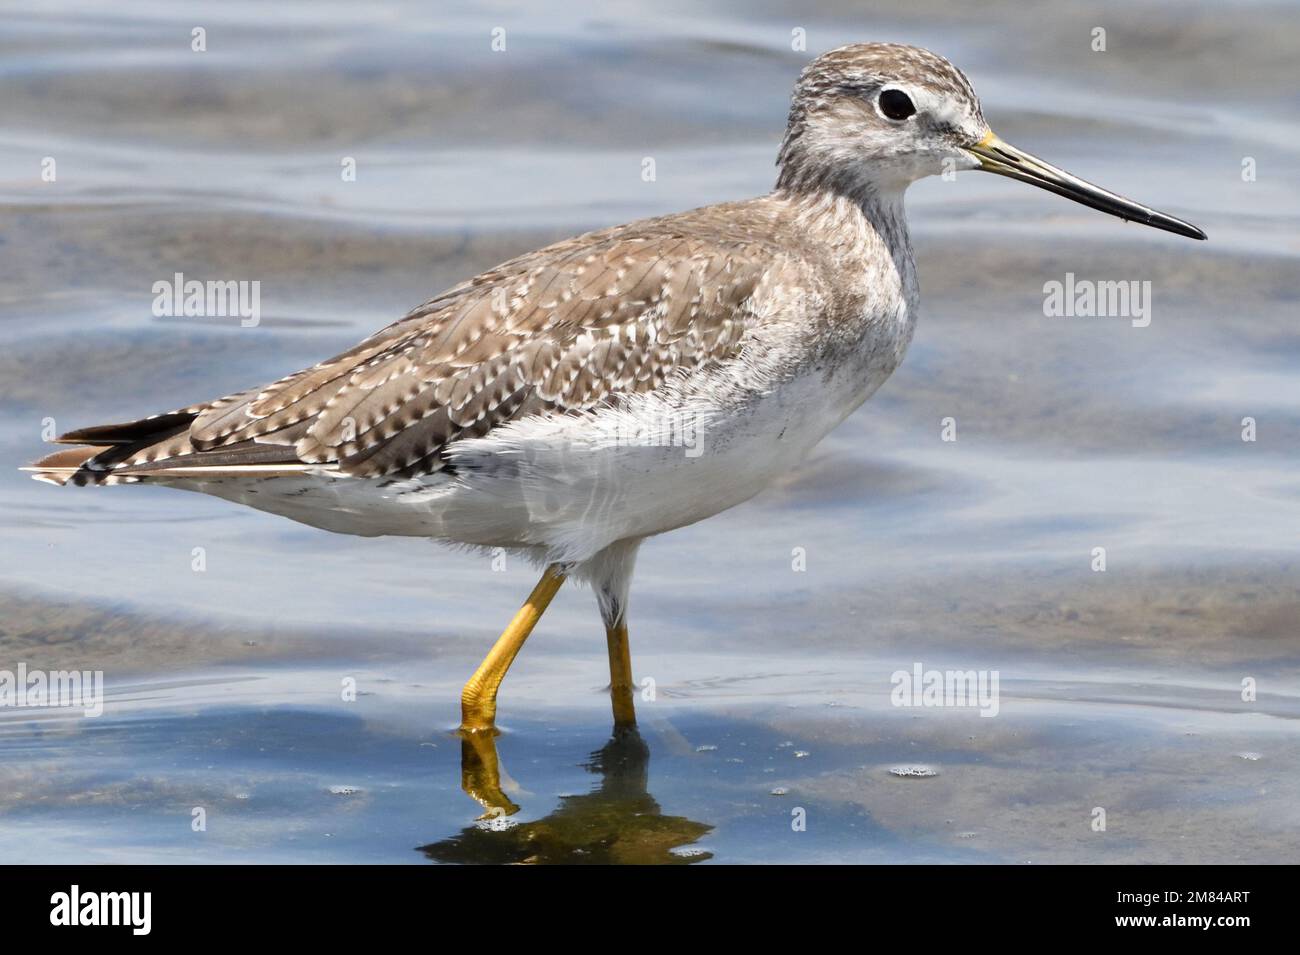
(559, 331)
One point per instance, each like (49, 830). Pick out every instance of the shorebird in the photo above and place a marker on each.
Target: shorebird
(573, 401)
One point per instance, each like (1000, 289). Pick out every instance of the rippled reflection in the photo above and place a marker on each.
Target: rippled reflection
(617, 822)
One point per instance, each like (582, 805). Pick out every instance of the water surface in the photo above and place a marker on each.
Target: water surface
(768, 632)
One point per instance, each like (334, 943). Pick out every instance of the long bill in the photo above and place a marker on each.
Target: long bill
(1002, 158)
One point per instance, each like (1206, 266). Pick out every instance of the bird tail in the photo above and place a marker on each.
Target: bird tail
(64, 465)
(160, 449)
(102, 446)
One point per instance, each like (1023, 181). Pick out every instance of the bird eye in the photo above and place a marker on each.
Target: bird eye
(896, 104)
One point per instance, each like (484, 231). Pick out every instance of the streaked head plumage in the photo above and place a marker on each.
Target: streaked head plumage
(868, 119)
(877, 116)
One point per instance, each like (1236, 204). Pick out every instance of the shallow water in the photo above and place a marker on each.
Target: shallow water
(1119, 690)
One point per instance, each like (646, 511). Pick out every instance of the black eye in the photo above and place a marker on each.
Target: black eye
(896, 104)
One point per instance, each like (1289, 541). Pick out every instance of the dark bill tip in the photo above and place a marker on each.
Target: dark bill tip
(1003, 159)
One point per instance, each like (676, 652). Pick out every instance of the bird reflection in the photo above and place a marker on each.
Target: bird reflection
(617, 822)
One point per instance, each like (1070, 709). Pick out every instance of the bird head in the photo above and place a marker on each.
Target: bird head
(869, 119)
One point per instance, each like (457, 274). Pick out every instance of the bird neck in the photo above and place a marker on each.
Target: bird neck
(806, 168)
(865, 229)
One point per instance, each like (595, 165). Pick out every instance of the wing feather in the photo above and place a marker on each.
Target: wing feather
(559, 331)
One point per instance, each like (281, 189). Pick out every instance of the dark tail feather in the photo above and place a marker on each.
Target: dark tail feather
(160, 448)
(131, 432)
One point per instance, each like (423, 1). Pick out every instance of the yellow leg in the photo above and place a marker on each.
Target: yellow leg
(620, 675)
(478, 701)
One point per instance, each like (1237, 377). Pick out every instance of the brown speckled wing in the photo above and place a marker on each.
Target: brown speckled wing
(561, 330)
